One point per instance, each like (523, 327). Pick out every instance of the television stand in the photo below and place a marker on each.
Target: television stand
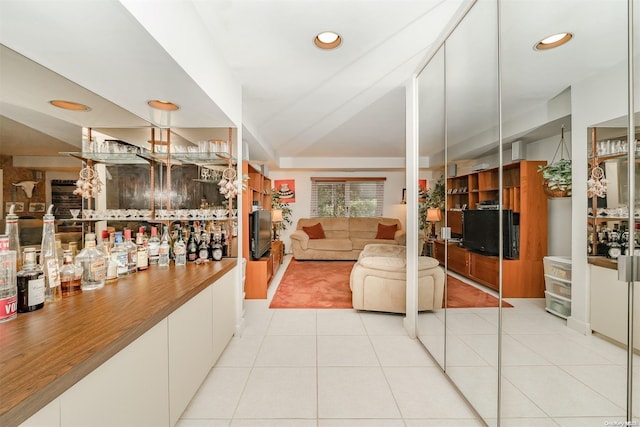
(521, 277)
(260, 272)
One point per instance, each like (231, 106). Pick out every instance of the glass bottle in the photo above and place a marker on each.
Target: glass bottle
(180, 250)
(142, 259)
(30, 280)
(49, 258)
(69, 279)
(192, 246)
(93, 264)
(111, 265)
(8, 287)
(164, 249)
(203, 249)
(11, 229)
(154, 246)
(132, 252)
(120, 256)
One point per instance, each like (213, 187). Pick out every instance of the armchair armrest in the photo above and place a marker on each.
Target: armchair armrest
(301, 237)
(400, 237)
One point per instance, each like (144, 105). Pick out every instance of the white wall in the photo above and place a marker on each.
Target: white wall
(393, 207)
(558, 209)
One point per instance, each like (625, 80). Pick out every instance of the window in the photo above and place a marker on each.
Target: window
(347, 197)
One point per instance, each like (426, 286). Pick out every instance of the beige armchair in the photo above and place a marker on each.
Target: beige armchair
(378, 280)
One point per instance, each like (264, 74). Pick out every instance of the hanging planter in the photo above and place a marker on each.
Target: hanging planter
(557, 174)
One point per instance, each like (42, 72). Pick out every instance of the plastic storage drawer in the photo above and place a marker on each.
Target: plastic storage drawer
(558, 305)
(557, 266)
(557, 286)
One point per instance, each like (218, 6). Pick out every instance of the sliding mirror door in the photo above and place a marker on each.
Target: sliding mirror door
(431, 137)
(473, 193)
(573, 95)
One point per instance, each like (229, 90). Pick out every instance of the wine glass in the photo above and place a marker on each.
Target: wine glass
(74, 213)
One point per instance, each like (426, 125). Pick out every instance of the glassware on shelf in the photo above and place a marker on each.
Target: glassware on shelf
(74, 213)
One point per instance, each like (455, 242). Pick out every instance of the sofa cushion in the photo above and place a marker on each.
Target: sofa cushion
(334, 228)
(330, 244)
(387, 232)
(315, 231)
(384, 263)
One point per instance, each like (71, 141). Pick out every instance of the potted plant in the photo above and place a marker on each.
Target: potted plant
(557, 178)
(277, 203)
(434, 199)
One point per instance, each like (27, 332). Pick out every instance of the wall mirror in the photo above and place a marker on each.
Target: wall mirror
(431, 130)
(559, 359)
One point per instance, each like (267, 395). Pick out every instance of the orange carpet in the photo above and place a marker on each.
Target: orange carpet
(314, 284)
(463, 295)
(325, 284)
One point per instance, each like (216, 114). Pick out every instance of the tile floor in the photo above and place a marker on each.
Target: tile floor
(330, 368)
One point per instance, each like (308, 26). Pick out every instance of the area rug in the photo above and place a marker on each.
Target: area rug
(314, 284)
(325, 284)
(463, 295)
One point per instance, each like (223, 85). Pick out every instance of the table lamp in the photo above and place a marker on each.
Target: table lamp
(276, 218)
(433, 216)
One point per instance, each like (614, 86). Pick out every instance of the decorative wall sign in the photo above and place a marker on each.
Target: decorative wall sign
(285, 189)
(36, 207)
(18, 208)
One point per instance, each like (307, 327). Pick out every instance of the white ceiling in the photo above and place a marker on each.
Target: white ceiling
(328, 107)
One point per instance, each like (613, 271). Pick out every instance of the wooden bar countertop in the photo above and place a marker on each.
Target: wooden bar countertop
(44, 353)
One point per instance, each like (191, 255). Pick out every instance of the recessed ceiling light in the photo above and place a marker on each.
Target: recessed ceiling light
(553, 41)
(68, 105)
(328, 40)
(163, 105)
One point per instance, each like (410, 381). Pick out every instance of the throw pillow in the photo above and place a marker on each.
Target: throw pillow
(315, 231)
(386, 232)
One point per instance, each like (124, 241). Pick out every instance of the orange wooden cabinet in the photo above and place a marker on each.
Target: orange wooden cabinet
(259, 272)
(523, 193)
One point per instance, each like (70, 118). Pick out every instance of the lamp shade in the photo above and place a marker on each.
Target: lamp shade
(433, 215)
(276, 215)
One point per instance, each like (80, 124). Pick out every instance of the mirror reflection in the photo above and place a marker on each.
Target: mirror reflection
(561, 358)
(431, 323)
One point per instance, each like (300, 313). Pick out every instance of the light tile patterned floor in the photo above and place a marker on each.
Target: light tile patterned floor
(341, 368)
(324, 368)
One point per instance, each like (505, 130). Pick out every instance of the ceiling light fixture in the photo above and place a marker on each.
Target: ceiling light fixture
(553, 41)
(163, 105)
(68, 105)
(328, 40)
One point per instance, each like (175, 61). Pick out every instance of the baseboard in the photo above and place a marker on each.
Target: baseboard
(579, 326)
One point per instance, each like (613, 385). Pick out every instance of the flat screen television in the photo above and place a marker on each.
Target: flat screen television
(480, 231)
(260, 231)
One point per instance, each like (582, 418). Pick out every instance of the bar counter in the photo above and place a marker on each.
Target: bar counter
(44, 353)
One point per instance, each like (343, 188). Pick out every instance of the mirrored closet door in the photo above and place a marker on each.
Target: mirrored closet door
(553, 349)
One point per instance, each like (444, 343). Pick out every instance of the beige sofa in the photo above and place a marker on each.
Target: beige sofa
(345, 237)
(379, 282)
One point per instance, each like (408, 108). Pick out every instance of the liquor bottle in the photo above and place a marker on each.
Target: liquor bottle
(49, 258)
(224, 243)
(216, 252)
(142, 260)
(164, 249)
(203, 249)
(132, 251)
(192, 246)
(120, 255)
(180, 250)
(11, 229)
(106, 247)
(8, 287)
(93, 264)
(30, 280)
(69, 279)
(154, 246)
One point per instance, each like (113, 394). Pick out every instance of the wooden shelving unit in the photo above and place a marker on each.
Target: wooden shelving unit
(259, 272)
(523, 193)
